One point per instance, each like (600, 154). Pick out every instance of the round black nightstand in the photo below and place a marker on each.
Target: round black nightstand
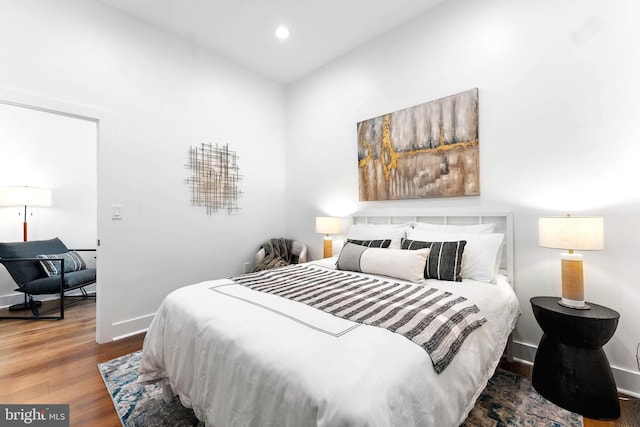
(571, 368)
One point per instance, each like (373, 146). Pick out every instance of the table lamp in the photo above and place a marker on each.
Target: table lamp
(572, 233)
(27, 197)
(328, 225)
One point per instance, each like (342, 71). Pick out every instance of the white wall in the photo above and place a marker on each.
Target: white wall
(559, 104)
(155, 96)
(42, 149)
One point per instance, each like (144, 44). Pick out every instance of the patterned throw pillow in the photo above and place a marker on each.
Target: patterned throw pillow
(72, 262)
(405, 265)
(445, 258)
(371, 243)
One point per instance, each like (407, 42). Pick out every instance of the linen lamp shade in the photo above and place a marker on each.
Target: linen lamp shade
(572, 233)
(25, 196)
(328, 225)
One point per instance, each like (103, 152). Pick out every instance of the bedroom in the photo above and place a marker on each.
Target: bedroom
(558, 103)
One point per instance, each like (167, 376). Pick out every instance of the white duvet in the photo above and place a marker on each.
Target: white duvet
(244, 358)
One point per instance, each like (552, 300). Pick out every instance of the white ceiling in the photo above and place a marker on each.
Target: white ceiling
(242, 30)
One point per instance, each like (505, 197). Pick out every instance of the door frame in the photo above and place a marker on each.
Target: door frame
(101, 118)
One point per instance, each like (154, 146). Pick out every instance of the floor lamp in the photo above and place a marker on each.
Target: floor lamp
(27, 197)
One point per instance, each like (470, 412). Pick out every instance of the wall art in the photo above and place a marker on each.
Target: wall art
(428, 150)
(215, 177)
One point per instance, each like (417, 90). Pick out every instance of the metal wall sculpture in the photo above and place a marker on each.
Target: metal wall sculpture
(429, 150)
(215, 178)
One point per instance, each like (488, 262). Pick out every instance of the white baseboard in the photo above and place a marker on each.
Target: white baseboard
(524, 352)
(628, 382)
(131, 327)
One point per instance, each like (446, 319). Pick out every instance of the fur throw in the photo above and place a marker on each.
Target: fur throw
(277, 254)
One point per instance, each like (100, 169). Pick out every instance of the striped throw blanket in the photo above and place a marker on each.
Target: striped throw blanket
(436, 320)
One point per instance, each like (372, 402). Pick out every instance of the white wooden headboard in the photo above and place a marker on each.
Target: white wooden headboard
(502, 219)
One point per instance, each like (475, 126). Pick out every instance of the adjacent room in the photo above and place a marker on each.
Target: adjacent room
(176, 147)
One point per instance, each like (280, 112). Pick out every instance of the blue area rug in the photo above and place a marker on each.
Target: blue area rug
(509, 400)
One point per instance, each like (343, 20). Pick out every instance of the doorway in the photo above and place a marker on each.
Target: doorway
(55, 149)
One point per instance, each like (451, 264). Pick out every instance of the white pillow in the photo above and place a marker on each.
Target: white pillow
(395, 232)
(481, 256)
(440, 228)
(405, 265)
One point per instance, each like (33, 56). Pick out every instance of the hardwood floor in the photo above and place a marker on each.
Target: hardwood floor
(48, 362)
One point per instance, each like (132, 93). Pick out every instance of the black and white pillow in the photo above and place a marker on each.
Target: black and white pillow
(405, 265)
(380, 243)
(393, 232)
(72, 262)
(445, 258)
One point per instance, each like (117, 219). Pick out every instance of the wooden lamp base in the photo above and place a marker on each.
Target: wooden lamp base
(572, 282)
(328, 247)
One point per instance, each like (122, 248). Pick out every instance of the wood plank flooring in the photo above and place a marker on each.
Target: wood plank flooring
(48, 362)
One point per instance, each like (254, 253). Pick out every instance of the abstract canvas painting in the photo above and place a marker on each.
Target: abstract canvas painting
(428, 150)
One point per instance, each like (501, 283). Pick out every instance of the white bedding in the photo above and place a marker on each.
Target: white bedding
(244, 358)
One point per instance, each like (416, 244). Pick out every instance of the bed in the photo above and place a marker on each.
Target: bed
(241, 356)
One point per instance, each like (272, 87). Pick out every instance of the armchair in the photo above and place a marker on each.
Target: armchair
(46, 267)
(279, 252)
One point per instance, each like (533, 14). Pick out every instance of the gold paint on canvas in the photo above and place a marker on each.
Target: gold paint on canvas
(430, 150)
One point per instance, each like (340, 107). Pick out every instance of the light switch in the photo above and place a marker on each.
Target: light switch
(116, 212)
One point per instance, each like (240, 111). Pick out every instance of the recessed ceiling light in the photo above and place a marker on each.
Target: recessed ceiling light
(282, 32)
